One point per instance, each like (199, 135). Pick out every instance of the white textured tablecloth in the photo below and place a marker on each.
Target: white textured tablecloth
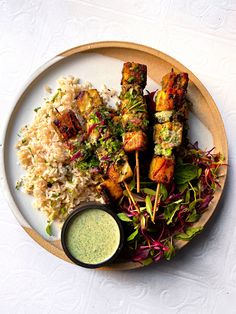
(200, 34)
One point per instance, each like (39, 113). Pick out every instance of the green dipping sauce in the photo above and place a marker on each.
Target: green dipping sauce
(93, 236)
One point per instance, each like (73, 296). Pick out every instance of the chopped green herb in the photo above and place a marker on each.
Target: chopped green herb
(55, 195)
(87, 164)
(19, 184)
(63, 210)
(145, 122)
(49, 228)
(56, 94)
(37, 109)
(30, 150)
(131, 79)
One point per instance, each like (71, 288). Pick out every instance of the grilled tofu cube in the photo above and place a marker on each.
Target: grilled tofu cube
(175, 87)
(168, 80)
(182, 81)
(164, 116)
(134, 73)
(164, 101)
(135, 141)
(162, 169)
(168, 134)
(110, 190)
(88, 100)
(66, 125)
(175, 81)
(119, 172)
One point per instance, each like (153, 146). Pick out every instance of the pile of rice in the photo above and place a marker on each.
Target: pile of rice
(56, 184)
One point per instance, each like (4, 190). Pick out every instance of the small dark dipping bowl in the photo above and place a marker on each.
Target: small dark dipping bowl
(92, 235)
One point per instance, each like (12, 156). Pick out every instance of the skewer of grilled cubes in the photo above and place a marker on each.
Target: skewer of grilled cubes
(134, 115)
(97, 145)
(171, 113)
(107, 148)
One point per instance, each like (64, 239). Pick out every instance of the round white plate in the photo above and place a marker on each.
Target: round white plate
(100, 63)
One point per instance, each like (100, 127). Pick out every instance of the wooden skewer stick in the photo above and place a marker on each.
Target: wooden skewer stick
(137, 171)
(131, 196)
(57, 111)
(156, 203)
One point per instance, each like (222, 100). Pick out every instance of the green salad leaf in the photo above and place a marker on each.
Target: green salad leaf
(149, 191)
(147, 261)
(124, 217)
(163, 192)
(184, 173)
(193, 216)
(132, 235)
(189, 233)
(148, 205)
(171, 252)
(170, 210)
